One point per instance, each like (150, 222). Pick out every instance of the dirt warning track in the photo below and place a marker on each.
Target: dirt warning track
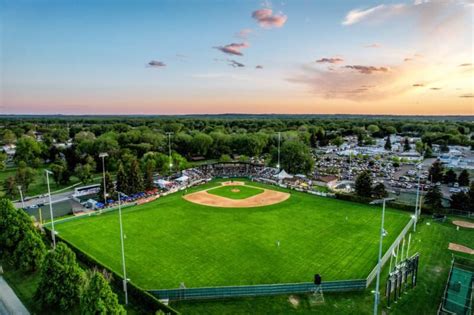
(268, 197)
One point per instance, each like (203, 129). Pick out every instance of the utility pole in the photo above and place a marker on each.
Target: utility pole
(21, 197)
(53, 233)
(279, 139)
(103, 156)
(379, 265)
(123, 249)
(169, 150)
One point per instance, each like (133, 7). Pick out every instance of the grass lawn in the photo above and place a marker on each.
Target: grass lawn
(431, 241)
(235, 192)
(170, 241)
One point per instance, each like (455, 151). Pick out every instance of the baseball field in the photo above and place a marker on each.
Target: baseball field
(172, 240)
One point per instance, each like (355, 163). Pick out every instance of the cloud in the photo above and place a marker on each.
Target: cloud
(380, 11)
(418, 85)
(374, 45)
(367, 69)
(244, 33)
(156, 64)
(258, 67)
(267, 19)
(467, 95)
(435, 88)
(407, 59)
(330, 60)
(465, 65)
(233, 49)
(235, 64)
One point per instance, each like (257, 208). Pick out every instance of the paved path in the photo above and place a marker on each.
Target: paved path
(10, 304)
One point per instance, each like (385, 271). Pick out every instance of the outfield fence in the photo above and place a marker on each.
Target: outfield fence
(388, 253)
(257, 290)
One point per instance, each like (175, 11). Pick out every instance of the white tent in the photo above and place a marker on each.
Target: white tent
(182, 178)
(161, 183)
(283, 175)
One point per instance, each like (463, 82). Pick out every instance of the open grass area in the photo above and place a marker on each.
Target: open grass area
(235, 192)
(431, 241)
(170, 241)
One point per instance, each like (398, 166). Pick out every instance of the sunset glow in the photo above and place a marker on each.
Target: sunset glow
(184, 57)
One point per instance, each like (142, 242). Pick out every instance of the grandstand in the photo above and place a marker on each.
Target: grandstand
(458, 293)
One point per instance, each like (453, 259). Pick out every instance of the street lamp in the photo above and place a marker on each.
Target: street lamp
(123, 249)
(379, 265)
(53, 233)
(21, 197)
(103, 156)
(417, 203)
(169, 150)
(279, 139)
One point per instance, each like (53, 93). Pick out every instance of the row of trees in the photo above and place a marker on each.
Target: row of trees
(437, 173)
(63, 284)
(364, 187)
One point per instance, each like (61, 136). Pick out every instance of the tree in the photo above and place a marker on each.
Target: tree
(8, 137)
(470, 194)
(122, 183)
(373, 129)
(379, 191)
(135, 179)
(10, 186)
(463, 178)
(98, 297)
(3, 160)
(406, 145)
(27, 150)
(459, 201)
(201, 144)
(24, 176)
(338, 141)
(30, 252)
(61, 280)
(225, 158)
(61, 174)
(84, 173)
(436, 172)
(295, 157)
(363, 184)
(388, 144)
(14, 224)
(450, 177)
(109, 189)
(148, 179)
(433, 197)
(428, 152)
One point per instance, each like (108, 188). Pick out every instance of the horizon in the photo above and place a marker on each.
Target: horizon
(181, 58)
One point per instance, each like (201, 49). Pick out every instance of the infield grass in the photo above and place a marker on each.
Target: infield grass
(235, 191)
(170, 240)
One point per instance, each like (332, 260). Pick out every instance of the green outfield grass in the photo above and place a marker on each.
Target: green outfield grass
(235, 191)
(170, 241)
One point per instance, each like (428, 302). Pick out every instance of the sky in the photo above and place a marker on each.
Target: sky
(237, 56)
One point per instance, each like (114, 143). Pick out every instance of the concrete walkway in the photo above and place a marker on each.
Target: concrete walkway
(10, 304)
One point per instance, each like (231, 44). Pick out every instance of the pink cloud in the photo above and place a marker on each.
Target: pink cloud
(244, 33)
(367, 69)
(330, 60)
(233, 49)
(267, 19)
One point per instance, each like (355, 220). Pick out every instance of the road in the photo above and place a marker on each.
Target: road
(10, 304)
(44, 199)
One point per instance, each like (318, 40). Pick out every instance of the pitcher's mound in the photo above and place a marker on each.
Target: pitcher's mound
(235, 190)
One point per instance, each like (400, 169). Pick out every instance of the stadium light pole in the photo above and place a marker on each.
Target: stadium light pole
(103, 156)
(123, 248)
(379, 265)
(279, 140)
(53, 233)
(21, 197)
(169, 150)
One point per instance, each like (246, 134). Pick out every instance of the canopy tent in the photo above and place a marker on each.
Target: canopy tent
(162, 183)
(283, 175)
(182, 178)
